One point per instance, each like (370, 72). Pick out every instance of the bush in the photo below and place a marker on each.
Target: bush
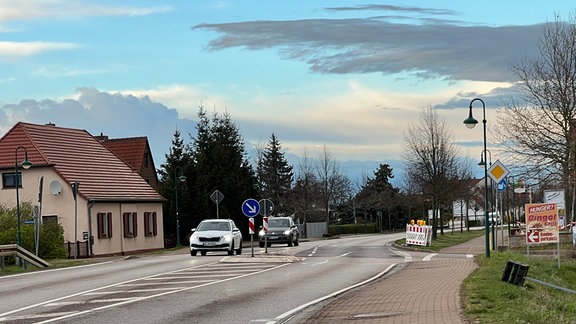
(51, 233)
(352, 229)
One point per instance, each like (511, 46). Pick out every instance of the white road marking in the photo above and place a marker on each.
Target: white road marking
(429, 257)
(60, 316)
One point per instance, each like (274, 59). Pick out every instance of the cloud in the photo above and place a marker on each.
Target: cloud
(375, 45)
(16, 49)
(20, 10)
(114, 114)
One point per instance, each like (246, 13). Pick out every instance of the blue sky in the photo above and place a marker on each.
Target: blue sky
(345, 74)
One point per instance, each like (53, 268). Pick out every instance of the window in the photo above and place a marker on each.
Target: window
(104, 221)
(130, 222)
(150, 224)
(49, 219)
(9, 180)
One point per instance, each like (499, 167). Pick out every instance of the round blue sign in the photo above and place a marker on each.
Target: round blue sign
(250, 207)
(502, 185)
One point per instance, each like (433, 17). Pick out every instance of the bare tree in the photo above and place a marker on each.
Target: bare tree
(432, 163)
(334, 186)
(537, 126)
(305, 193)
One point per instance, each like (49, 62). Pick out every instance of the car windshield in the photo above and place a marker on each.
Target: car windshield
(279, 223)
(214, 226)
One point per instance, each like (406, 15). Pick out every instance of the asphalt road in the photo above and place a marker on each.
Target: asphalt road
(268, 288)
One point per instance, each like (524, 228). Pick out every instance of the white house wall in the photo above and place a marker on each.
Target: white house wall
(62, 206)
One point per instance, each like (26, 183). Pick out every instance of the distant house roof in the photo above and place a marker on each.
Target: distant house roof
(131, 149)
(76, 155)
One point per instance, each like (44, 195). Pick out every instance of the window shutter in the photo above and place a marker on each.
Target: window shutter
(100, 224)
(125, 223)
(109, 215)
(135, 223)
(146, 224)
(154, 224)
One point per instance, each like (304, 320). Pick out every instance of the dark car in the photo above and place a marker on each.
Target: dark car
(280, 230)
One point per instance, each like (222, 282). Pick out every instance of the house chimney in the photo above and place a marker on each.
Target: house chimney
(102, 138)
(51, 124)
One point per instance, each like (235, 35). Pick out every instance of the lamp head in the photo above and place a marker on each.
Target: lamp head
(470, 122)
(182, 178)
(26, 164)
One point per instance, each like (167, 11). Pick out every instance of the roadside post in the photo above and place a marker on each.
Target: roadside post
(251, 208)
(266, 209)
(265, 229)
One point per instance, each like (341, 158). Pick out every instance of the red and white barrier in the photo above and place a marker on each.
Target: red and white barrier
(418, 235)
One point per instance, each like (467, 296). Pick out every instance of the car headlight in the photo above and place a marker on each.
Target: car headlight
(261, 233)
(226, 238)
(287, 232)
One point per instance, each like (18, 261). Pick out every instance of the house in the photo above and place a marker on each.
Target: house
(114, 205)
(136, 152)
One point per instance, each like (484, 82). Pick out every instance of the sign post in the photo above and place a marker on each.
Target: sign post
(266, 209)
(251, 208)
(217, 198)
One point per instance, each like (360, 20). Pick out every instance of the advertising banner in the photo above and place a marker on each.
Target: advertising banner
(542, 223)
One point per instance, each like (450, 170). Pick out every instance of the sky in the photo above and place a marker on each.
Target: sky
(349, 76)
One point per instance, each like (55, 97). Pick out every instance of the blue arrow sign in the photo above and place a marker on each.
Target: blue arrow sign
(502, 185)
(250, 207)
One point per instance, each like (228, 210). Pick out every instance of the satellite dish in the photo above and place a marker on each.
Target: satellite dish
(55, 187)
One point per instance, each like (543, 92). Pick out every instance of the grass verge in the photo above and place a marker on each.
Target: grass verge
(448, 239)
(488, 299)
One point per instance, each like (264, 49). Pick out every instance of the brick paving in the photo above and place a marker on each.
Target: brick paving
(419, 292)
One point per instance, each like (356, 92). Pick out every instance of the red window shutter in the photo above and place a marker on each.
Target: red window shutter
(135, 223)
(109, 215)
(100, 224)
(125, 223)
(154, 224)
(146, 224)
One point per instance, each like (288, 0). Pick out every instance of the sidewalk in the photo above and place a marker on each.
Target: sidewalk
(418, 292)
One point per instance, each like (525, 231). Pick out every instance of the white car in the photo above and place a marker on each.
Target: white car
(216, 235)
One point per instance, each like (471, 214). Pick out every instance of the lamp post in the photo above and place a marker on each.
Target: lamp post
(493, 196)
(470, 122)
(177, 178)
(26, 165)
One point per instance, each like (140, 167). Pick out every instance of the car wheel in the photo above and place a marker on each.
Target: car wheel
(203, 253)
(193, 252)
(290, 243)
(261, 244)
(269, 244)
(239, 250)
(296, 243)
(231, 251)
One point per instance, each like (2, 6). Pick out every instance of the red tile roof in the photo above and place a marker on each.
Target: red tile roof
(76, 156)
(131, 150)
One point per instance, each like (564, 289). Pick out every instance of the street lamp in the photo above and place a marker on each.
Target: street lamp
(181, 178)
(26, 165)
(482, 163)
(470, 122)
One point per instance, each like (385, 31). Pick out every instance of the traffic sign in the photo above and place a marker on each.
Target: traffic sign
(266, 207)
(250, 207)
(502, 185)
(498, 171)
(217, 196)
(251, 226)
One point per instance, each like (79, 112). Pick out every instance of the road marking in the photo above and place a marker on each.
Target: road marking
(429, 257)
(122, 301)
(291, 312)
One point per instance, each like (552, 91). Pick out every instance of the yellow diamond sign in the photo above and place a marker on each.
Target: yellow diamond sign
(498, 171)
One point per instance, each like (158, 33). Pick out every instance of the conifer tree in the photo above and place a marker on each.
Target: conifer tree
(275, 176)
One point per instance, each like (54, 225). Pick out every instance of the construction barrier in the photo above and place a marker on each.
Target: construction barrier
(418, 235)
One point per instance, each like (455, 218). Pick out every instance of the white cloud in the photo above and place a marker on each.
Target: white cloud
(17, 49)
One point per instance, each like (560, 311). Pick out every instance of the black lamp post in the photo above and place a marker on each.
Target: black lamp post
(26, 165)
(177, 178)
(470, 122)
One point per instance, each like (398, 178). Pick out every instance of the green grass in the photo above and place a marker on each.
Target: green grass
(488, 299)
